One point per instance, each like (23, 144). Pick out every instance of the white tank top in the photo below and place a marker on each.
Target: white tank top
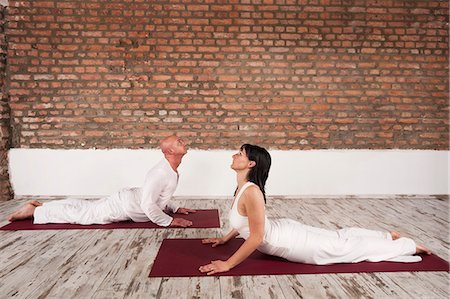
(237, 221)
(272, 228)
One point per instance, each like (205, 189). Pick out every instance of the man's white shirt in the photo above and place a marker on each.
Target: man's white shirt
(153, 200)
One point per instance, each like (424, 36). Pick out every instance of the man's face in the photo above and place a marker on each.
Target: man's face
(179, 146)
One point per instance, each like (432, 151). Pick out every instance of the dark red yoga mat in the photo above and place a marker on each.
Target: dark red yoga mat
(200, 219)
(183, 257)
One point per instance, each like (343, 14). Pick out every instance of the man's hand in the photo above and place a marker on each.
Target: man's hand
(180, 222)
(215, 267)
(184, 211)
(214, 241)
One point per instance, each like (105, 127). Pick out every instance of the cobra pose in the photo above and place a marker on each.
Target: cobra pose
(293, 240)
(152, 202)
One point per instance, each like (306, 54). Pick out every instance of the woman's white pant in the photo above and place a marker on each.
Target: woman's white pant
(319, 246)
(81, 211)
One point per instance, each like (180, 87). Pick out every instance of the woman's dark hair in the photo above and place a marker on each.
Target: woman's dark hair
(260, 172)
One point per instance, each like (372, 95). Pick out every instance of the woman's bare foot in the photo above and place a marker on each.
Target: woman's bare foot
(26, 211)
(395, 235)
(35, 203)
(422, 249)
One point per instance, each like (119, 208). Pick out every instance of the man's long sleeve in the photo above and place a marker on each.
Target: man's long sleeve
(172, 206)
(151, 192)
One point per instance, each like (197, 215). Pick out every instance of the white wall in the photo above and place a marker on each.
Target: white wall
(208, 173)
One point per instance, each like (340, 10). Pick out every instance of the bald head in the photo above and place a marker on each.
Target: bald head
(167, 143)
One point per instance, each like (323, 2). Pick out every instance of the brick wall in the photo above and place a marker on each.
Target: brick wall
(5, 187)
(306, 74)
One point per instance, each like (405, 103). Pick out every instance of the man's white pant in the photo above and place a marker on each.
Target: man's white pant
(81, 211)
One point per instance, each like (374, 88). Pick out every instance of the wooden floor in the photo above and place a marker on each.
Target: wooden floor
(115, 263)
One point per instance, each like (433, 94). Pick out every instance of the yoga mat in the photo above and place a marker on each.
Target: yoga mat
(183, 257)
(200, 219)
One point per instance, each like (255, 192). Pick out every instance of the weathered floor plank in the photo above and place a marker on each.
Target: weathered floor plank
(116, 263)
(250, 287)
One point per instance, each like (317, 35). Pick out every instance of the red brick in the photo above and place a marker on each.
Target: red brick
(226, 73)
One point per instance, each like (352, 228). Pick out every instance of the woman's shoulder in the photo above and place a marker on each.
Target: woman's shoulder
(253, 192)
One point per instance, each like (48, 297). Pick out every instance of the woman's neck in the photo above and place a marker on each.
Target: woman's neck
(242, 178)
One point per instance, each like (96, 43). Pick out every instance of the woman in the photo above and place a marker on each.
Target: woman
(290, 239)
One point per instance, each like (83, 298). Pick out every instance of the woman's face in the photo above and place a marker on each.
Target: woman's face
(240, 161)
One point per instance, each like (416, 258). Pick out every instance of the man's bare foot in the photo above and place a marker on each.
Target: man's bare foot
(422, 249)
(395, 235)
(26, 211)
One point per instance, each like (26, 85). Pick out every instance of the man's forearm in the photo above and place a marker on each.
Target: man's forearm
(157, 216)
(172, 206)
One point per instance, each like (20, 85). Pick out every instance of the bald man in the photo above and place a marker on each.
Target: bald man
(152, 202)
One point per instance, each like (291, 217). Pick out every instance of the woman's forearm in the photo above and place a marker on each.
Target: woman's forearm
(233, 233)
(244, 251)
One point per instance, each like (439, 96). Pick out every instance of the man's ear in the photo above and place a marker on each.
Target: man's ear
(252, 163)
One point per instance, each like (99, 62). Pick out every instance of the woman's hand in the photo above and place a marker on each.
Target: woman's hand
(214, 241)
(215, 267)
